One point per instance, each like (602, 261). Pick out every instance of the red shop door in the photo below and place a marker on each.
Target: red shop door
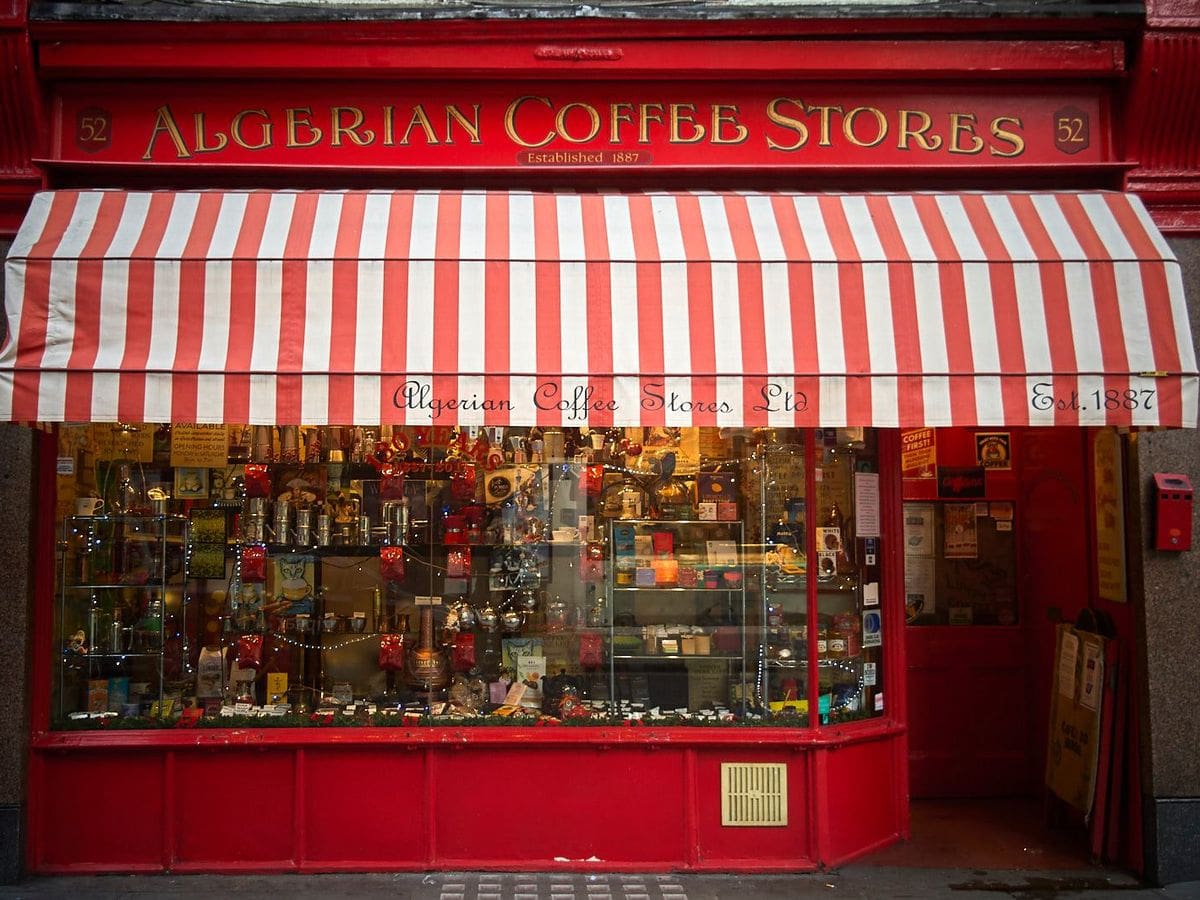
(978, 693)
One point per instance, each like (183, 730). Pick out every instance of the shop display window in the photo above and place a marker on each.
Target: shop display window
(212, 575)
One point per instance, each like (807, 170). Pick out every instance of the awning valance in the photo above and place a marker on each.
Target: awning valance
(521, 308)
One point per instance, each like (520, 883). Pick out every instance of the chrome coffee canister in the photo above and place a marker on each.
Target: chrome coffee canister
(255, 529)
(324, 530)
(283, 520)
(401, 534)
(304, 527)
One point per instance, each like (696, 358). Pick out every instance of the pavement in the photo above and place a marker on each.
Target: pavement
(858, 882)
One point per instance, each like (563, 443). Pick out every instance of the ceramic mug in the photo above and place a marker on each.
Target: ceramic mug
(566, 534)
(88, 506)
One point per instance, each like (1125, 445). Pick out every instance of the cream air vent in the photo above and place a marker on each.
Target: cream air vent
(754, 794)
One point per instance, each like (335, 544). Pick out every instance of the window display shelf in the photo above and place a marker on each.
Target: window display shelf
(94, 616)
(829, 588)
(821, 663)
(368, 550)
(652, 656)
(112, 586)
(352, 550)
(676, 590)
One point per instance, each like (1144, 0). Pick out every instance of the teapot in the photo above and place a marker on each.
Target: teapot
(555, 688)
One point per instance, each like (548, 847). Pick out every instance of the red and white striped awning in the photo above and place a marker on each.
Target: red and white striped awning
(522, 308)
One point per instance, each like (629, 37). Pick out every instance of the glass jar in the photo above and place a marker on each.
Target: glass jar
(837, 644)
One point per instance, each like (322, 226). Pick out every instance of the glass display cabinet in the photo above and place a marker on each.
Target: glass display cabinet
(121, 614)
(679, 639)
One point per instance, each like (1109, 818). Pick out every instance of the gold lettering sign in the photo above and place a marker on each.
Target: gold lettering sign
(199, 446)
(784, 126)
(116, 442)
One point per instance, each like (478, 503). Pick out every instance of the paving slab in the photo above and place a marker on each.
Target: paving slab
(857, 882)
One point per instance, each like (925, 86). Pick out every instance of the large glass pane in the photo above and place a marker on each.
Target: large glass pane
(301, 574)
(783, 534)
(847, 540)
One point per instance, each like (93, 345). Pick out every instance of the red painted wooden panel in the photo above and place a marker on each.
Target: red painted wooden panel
(364, 804)
(100, 809)
(969, 711)
(539, 807)
(326, 802)
(234, 806)
(317, 49)
(721, 844)
(1056, 560)
(861, 787)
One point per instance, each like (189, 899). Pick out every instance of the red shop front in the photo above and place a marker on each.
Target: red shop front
(534, 527)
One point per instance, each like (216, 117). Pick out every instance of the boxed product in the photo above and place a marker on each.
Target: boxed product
(714, 486)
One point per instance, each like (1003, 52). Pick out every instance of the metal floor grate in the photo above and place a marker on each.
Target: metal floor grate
(557, 887)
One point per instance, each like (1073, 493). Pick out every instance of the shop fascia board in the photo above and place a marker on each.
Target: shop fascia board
(169, 54)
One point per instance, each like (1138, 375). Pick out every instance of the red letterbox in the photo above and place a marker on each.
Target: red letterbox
(1173, 512)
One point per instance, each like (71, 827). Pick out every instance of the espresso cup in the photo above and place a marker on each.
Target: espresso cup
(88, 506)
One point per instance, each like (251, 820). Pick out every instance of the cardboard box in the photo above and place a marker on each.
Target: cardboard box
(530, 670)
(714, 486)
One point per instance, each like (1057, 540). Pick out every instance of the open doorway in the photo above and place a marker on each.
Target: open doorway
(999, 550)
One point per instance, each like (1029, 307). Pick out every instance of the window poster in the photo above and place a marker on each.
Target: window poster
(866, 504)
(918, 453)
(123, 442)
(199, 446)
(1091, 687)
(919, 592)
(919, 589)
(993, 450)
(961, 539)
(918, 529)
